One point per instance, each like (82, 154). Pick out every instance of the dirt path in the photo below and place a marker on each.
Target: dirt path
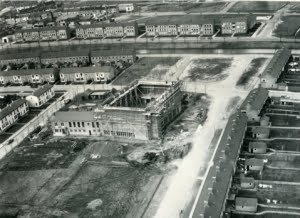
(221, 93)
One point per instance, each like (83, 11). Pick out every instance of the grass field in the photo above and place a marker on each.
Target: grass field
(207, 7)
(250, 71)
(284, 145)
(257, 6)
(284, 133)
(208, 69)
(288, 27)
(143, 67)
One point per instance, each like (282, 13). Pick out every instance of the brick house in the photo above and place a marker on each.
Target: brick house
(191, 25)
(260, 132)
(42, 34)
(257, 147)
(40, 96)
(99, 74)
(113, 56)
(254, 164)
(66, 56)
(19, 58)
(237, 24)
(11, 113)
(110, 30)
(254, 103)
(31, 76)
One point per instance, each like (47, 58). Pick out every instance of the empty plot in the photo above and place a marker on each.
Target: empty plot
(143, 67)
(288, 27)
(207, 69)
(284, 133)
(284, 145)
(281, 175)
(257, 6)
(253, 68)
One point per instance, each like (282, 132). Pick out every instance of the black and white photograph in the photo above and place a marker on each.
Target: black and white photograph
(149, 109)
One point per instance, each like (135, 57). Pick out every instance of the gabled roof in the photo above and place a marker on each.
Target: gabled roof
(278, 61)
(70, 116)
(96, 69)
(254, 162)
(27, 72)
(239, 201)
(95, 25)
(62, 54)
(255, 99)
(97, 53)
(10, 56)
(42, 29)
(257, 145)
(40, 91)
(179, 19)
(210, 203)
(13, 106)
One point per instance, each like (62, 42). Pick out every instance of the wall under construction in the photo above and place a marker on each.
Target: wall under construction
(141, 111)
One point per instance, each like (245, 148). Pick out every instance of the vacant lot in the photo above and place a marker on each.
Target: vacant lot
(207, 69)
(284, 145)
(257, 6)
(281, 120)
(281, 175)
(253, 68)
(47, 155)
(284, 133)
(143, 67)
(288, 27)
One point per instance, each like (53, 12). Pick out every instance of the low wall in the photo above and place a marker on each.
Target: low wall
(40, 120)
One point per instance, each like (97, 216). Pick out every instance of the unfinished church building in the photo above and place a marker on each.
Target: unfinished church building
(141, 111)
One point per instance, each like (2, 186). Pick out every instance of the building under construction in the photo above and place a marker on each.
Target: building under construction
(141, 111)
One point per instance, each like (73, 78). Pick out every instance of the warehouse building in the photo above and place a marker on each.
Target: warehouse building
(142, 111)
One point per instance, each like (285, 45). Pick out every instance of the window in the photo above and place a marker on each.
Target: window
(78, 123)
(82, 124)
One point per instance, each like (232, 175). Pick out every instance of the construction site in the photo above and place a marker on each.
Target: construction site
(141, 111)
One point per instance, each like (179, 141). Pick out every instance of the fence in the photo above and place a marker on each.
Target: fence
(40, 120)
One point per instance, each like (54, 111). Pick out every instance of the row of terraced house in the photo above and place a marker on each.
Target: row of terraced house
(93, 56)
(180, 25)
(98, 74)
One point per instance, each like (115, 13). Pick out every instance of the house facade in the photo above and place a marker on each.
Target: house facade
(109, 30)
(67, 56)
(98, 74)
(11, 113)
(19, 58)
(42, 34)
(40, 96)
(31, 76)
(237, 24)
(192, 25)
(113, 56)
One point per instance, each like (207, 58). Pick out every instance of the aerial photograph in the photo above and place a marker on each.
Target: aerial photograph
(149, 109)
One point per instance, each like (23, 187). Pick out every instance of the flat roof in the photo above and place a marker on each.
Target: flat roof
(17, 55)
(95, 25)
(258, 145)
(254, 161)
(179, 19)
(70, 116)
(241, 201)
